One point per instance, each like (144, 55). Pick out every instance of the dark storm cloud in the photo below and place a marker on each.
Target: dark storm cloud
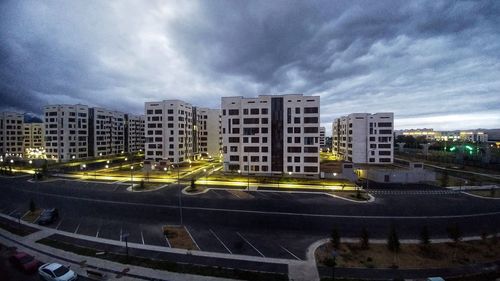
(427, 61)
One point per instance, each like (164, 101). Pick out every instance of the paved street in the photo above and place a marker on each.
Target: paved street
(268, 224)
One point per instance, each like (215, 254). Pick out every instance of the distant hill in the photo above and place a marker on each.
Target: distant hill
(32, 118)
(493, 134)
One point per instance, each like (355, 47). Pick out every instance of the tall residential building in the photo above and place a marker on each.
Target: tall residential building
(271, 134)
(134, 133)
(106, 132)
(34, 140)
(168, 134)
(364, 138)
(322, 131)
(207, 139)
(11, 134)
(66, 131)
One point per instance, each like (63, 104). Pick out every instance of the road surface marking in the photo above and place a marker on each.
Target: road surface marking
(168, 242)
(98, 230)
(217, 193)
(263, 194)
(234, 193)
(290, 252)
(121, 229)
(191, 236)
(142, 238)
(264, 212)
(59, 224)
(76, 230)
(217, 237)
(244, 239)
(10, 214)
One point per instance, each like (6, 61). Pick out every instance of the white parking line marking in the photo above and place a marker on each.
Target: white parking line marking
(10, 214)
(234, 193)
(217, 193)
(191, 236)
(98, 230)
(263, 194)
(76, 230)
(250, 244)
(142, 238)
(121, 234)
(168, 242)
(217, 237)
(290, 253)
(59, 224)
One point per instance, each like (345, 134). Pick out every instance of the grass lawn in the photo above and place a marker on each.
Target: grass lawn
(166, 265)
(179, 237)
(32, 216)
(438, 255)
(486, 193)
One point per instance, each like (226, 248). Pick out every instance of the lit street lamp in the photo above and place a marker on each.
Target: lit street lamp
(132, 176)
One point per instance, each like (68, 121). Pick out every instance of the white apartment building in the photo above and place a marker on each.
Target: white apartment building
(106, 132)
(207, 139)
(33, 135)
(134, 133)
(322, 131)
(11, 134)
(271, 134)
(66, 131)
(364, 138)
(168, 132)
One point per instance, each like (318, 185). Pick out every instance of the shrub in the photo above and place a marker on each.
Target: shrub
(335, 238)
(393, 240)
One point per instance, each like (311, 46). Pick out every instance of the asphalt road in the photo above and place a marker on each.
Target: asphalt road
(269, 224)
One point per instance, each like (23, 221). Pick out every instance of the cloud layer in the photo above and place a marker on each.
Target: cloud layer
(433, 63)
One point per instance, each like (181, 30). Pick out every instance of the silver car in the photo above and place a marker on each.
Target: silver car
(56, 272)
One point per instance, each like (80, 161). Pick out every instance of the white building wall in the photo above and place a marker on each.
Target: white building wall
(66, 129)
(168, 132)
(209, 131)
(322, 131)
(271, 134)
(134, 133)
(11, 134)
(364, 138)
(107, 132)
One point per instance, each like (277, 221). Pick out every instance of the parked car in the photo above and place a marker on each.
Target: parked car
(24, 262)
(56, 272)
(48, 216)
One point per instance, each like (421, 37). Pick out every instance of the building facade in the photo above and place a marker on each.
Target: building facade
(34, 140)
(66, 130)
(168, 131)
(364, 138)
(106, 132)
(207, 139)
(134, 133)
(322, 131)
(271, 134)
(11, 134)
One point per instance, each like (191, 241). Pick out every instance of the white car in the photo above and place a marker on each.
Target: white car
(56, 272)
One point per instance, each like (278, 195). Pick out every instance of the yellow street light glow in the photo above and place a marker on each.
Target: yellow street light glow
(84, 166)
(239, 171)
(126, 158)
(164, 169)
(106, 166)
(132, 167)
(107, 161)
(31, 162)
(289, 173)
(11, 161)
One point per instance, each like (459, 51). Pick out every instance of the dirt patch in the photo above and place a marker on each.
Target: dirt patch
(178, 237)
(413, 255)
(353, 195)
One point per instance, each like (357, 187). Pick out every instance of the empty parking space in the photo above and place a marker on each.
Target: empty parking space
(206, 240)
(88, 227)
(68, 225)
(153, 235)
(110, 230)
(235, 243)
(134, 231)
(267, 246)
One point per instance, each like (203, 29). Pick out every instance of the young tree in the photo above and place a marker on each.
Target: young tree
(32, 205)
(425, 236)
(364, 239)
(454, 233)
(393, 240)
(141, 185)
(335, 238)
(193, 184)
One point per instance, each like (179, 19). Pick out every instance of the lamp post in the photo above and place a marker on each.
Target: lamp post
(132, 176)
(205, 171)
(180, 195)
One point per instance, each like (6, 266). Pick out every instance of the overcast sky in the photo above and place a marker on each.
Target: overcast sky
(433, 63)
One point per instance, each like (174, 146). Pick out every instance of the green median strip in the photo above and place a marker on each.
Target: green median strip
(165, 265)
(17, 229)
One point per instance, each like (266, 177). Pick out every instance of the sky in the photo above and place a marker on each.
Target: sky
(435, 64)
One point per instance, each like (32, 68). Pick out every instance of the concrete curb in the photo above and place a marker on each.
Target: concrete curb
(129, 189)
(479, 196)
(372, 198)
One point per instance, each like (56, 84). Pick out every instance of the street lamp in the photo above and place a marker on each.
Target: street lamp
(107, 166)
(205, 171)
(132, 176)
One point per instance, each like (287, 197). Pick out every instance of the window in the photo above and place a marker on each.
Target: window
(236, 121)
(310, 110)
(250, 120)
(297, 110)
(234, 140)
(251, 149)
(310, 130)
(310, 149)
(308, 169)
(245, 111)
(296, 120)
(309, 120)
(384, 152)
(264, 111)
(294, 149)
(385, 124)
(234, 112)
(254, 111)
(385, 132)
